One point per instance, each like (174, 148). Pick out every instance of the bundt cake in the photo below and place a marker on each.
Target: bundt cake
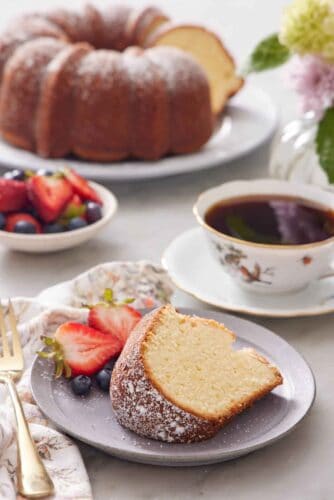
(179, 380)
(72, 82)
(208, 50)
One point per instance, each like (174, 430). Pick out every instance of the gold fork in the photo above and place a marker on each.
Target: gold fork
(33, 480)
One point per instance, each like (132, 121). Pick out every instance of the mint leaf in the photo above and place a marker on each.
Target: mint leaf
(268, 54)
(325, 143)
(240, 229)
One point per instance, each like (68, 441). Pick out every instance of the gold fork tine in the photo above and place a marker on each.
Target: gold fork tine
(17, 349)
(5, 345)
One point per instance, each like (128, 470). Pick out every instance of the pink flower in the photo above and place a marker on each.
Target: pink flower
(313, 79)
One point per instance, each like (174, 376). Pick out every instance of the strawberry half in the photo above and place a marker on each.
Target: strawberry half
(117, 319)
(78, 349)
(12, 219)
(13, 195)
(49, 195)
(81, 186)
(76, 200)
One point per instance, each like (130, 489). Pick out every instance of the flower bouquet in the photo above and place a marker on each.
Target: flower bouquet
(305, 149)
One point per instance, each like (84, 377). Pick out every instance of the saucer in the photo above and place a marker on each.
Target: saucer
(192, 268)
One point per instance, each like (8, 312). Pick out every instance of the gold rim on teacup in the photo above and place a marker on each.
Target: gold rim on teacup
(264, 267)
(268, 246)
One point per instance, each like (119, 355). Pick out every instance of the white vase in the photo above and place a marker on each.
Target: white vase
(293, 155)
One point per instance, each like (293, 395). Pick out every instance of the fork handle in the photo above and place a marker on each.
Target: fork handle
(33, 480)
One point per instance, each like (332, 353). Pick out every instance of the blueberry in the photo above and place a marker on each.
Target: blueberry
(53, 228)
(81, 385)
(32, 211)
(2, 221)
(44, 172)
(110, 365)
(25, 227)
(103, 379)
(76, 223)
(93, 212)
(15, 175)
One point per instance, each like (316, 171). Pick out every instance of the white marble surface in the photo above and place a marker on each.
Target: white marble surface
(299, 467)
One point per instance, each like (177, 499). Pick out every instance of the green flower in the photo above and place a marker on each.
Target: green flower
(308, 27)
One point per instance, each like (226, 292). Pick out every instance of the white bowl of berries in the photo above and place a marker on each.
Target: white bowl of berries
(46, 212)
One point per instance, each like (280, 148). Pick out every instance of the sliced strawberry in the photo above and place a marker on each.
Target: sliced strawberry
(13, 195)
(49, 195)
(114, 318)
(81, 186)
(117, 320)
(76, 200)
(12, 219)
(79, 350)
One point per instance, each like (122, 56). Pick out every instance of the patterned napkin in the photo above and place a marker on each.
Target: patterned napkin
(148, 284)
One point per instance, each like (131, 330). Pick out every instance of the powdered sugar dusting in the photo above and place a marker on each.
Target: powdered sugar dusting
(179, 69)
(139, 406)
(140, 69)
(143, 88)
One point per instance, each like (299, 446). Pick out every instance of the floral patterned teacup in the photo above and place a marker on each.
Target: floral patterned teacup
(264, 267)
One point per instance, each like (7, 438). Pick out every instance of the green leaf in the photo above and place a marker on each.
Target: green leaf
(108, 296)
(48, 341)
(269, 53)
(128, 301)
(59, 369)
(240, 229)
(67, 370)
(325, 143)
(45, 355)
(29, 173)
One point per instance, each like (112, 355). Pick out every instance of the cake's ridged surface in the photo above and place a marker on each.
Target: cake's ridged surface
(101, 124)
(103, 105)
(189, 99)
(20, 89)
(115, 19)
(148, 107)
(179, 380)
(24, 29)
(75, 23)
(140, 407)
(34, 25)
(55, 112)
(93, 21)
(142, 22)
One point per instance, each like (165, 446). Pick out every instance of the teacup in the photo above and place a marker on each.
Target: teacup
(268, 268)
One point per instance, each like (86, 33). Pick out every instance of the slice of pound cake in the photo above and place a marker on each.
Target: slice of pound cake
(179, 380)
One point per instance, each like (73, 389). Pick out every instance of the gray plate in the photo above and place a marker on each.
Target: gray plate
(91, 419)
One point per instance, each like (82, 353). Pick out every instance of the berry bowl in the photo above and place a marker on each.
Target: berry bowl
(73, 236)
